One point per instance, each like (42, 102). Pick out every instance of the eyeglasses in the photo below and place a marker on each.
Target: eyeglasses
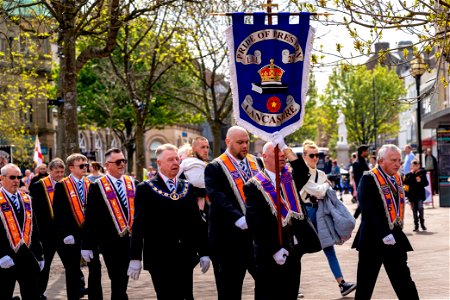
(312, 155)
(82, 166)
(119, 162)
(12, 177)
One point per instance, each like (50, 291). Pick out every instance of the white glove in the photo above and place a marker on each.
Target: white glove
(69, 240)
(6, 262)
(280, 256)
(87, 255)
(241, 223)
(205, 262)
(134, 269)
(41, 264)
(389, 240)
(278, 139)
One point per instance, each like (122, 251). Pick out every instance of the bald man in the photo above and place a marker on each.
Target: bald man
(278, 265)
(230, 241)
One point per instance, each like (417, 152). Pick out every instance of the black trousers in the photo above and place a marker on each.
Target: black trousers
(229, 271)
(95, 291)
(394, 260)
(170, 284)
(70, 257)
(117, 260)
(275, 282)
(25, 271)
(50, 248)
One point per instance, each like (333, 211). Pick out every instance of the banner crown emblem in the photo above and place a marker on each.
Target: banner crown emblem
(271, 74)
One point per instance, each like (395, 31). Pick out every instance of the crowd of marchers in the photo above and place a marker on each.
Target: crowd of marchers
(238, 213)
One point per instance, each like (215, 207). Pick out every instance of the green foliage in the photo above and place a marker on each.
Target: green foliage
(369, 99)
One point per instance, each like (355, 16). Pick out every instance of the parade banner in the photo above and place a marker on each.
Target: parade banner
(269, 66)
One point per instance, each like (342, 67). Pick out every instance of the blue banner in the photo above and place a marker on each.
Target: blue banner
(269, 66)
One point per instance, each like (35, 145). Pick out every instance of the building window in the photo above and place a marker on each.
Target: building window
(155, 144)
(82, 143)
(99, 148)
(114, 143)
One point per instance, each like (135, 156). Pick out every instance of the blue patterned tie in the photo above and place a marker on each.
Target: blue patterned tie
(16, 202)
(171, 185)
(121, 193)
(244, 168)
(80, 187)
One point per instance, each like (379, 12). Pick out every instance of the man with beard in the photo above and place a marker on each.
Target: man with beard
(230, 242)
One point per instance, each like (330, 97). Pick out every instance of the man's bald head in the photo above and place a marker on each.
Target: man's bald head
(237, 142)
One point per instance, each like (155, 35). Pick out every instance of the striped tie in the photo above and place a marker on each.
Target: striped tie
(16, 202)
(244, 168)
(171, 185)
(80, 188)
(121, 193)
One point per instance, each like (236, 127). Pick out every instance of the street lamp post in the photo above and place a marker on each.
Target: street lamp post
(418, 68)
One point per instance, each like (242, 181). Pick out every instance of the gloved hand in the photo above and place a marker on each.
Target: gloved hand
(69, 240)
(241, 223)
(41, 264)
(389, 240)
(278, 139)
(6, 262)
(205, 262)
(87, 255)
(280, 256)
(134, 269)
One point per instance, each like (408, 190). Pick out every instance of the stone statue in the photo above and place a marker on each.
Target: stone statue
(342, 129)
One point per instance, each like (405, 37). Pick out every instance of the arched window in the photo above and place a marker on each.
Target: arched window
(153, 145)
(98, 146)
(82, 142)
(114, 143)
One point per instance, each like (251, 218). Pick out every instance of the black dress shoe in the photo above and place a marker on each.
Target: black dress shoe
(43, 297)
(15, 298)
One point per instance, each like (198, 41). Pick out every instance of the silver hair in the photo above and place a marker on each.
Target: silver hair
(56, 163)
(266, 147)
(7, 167)
(384, 150)
(163, 148)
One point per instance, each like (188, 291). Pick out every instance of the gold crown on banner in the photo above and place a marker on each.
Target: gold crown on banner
(271, 74)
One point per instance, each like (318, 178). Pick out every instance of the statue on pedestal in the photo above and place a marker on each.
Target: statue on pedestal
(342, 129)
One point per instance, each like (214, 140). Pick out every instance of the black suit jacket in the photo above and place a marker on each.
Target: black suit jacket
(263, 224)
(359, 167)
(35, 248)
(42, 211)
(99, 231)
(374, 223)
(164, 228)
(65, 221)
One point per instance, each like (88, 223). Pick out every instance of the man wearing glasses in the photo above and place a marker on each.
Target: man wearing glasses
(68, 206)
(20, 250)
(109, 218)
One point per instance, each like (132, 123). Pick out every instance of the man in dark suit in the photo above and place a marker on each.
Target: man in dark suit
(68, 206)
(42, 193)
(230, 242)
(108, 222)
(278, 265)
(380, 238)
(359, 167)
(41, 173)
(167, 221)
(21, 257)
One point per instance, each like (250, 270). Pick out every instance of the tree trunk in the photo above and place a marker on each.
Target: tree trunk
(69, 85)
(140, 155)
(216, 128)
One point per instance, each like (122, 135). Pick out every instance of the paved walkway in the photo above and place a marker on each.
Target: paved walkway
(429, 265)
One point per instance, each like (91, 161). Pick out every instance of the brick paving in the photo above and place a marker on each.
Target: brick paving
(429, 265)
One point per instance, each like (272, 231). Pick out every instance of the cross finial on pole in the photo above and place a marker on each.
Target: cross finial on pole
(268, 7)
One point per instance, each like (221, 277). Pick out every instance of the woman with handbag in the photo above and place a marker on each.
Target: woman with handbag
(314, 191)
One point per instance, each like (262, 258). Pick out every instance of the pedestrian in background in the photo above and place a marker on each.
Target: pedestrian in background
(431, 165)
(416, 181)
(359, 167)
(409, 156)
(96, 170)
